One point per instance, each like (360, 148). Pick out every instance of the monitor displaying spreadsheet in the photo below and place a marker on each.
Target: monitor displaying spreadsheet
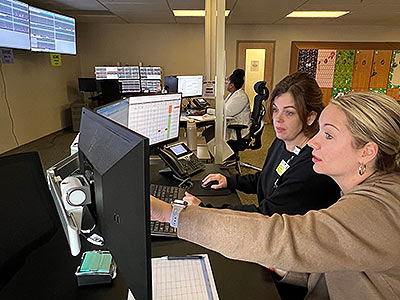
(155, 116)
(190, 86)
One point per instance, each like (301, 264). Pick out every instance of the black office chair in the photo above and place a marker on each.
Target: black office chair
(28, 214)
(253, 139)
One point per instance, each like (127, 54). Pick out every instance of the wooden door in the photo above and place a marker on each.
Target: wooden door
(253, 66)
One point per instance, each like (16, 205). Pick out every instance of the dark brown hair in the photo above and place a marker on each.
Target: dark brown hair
(307, 98)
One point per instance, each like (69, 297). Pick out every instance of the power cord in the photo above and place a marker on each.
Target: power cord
(8, 104)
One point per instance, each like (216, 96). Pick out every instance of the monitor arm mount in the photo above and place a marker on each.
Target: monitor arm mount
(71, 193)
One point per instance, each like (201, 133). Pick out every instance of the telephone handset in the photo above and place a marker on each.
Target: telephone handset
(181, 160)
(200, 103)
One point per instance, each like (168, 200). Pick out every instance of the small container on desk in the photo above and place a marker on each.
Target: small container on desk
(97, 267)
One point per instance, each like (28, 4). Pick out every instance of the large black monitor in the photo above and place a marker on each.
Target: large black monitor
(14, 25)
(190, 86)
(116, 162)
(51, 32)
(110, 89)
(89, 85)
(154, 116)
(171, 84)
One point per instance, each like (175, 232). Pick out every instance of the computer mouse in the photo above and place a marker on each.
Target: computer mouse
(208, 185)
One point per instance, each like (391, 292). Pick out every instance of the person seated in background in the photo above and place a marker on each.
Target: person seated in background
(287, 182)
(237, 107)
(349, 250)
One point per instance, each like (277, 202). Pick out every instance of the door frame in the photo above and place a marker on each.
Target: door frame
(268, 45)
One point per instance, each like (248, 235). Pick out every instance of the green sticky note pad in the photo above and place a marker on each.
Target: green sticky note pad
(96, 262)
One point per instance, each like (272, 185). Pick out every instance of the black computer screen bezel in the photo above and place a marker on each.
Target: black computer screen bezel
(121, 195)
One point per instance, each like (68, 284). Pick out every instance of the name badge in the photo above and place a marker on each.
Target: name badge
(283, 166)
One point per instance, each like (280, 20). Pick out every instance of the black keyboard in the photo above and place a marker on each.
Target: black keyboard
(168, 194)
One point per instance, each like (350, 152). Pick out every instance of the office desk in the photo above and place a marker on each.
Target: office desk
(48, 272)
(234, 279)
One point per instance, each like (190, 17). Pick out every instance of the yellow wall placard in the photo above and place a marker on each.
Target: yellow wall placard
(55, 59)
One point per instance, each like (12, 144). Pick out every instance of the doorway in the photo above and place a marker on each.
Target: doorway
(256, 58)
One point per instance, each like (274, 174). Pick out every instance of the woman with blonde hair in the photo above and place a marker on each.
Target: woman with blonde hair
(347, 251)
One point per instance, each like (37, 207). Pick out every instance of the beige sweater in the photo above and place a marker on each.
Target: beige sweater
(351, 249)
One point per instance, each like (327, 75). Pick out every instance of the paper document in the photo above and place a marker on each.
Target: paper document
(188, 277)
(182, 278)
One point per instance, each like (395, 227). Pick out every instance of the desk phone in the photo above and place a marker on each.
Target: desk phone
(181, 160)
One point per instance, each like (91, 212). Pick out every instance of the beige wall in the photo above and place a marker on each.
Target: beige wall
(179, 48)
(39, 97)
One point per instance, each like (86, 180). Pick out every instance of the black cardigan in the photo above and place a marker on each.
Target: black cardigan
(298, 190)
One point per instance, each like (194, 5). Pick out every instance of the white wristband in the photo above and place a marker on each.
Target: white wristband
(177, 207)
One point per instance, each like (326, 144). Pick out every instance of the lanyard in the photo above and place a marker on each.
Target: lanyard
(284, 165)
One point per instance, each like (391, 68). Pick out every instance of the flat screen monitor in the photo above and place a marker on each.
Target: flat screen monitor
(116, 162)
(51, 32)
(89, 85)
(14, 25)
(171, 84)
(116, 111)
(106, 72)
(190, 86)
(110, 89)
(156, 117)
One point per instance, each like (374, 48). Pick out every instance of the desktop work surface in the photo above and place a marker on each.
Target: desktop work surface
(49, 272)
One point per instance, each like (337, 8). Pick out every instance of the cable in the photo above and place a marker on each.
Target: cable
(8, 104)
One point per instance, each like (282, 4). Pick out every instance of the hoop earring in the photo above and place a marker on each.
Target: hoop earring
(361, 169)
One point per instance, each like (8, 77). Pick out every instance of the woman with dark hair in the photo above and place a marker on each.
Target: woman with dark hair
(237, 107)
(287, 183)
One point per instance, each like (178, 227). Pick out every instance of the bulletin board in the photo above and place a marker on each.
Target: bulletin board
(342, 67)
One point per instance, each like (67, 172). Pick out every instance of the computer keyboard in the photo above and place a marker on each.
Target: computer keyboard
(168, 194)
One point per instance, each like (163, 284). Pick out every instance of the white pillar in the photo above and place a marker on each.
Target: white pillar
(214, 64)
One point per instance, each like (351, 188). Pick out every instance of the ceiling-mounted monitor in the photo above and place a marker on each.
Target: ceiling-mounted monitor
(51, 32)
(14, 25)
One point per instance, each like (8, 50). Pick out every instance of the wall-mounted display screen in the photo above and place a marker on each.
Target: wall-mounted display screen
(51, 32)
(14, 25)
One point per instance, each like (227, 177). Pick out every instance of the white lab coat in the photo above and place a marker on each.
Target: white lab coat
(237, 110)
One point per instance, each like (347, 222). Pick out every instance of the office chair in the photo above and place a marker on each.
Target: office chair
(253, 139)
(28, 214)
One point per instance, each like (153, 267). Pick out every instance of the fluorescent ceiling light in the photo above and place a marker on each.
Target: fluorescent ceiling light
(316, 14)
(193, 13)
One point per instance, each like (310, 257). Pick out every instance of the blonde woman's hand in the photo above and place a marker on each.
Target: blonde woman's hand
(191, 200)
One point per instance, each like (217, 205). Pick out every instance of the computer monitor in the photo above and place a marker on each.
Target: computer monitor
(171, 84)
(106, 72)
(116, 111)
(89, 85)
(111, 90)
(156, 117)
(14, 31)
(116, 162)
(190, 86)
(51, 32)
